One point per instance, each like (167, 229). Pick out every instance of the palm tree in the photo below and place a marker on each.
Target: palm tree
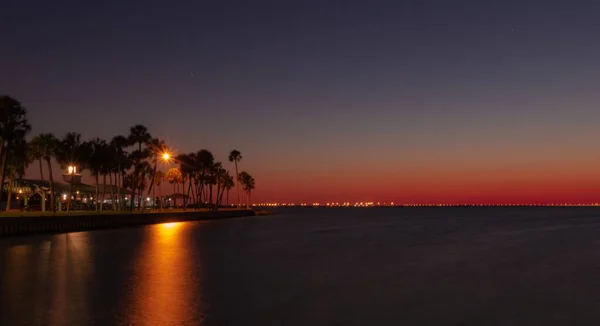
(35, 152)
(173, 176)
(186, 168)
(121, 163)
(96, 162)
(159, 176)
(46, 146)
(205, 162)
(14, 126)
(72, 151)
(228, 184)
(18, 160)
(145, 172)
(157, 148)
(223, 178)
(249, 184)
(235, 156)
(139, 135)
(216, 171)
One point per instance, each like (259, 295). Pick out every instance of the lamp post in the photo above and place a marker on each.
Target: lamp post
(166, 158)
(71, 177)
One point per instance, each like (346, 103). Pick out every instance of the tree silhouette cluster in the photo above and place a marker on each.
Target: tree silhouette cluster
(128, 162)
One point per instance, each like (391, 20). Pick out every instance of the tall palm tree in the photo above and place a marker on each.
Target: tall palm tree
(205, 161)
(216, 171)
(35, 151)
(96, 162)
(18, 160)
(173, 176)
(222, 177)
(14, 126)
(235, 156)
(248, 183)
(72, 151)
(228, 184)
(144, 176)
(121, 163)
(138, 135)
(159, 176)
(186, 167)
(157, 148)
(46, 146)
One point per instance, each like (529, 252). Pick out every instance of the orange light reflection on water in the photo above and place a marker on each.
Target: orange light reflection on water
(164, 279)
(170, 225)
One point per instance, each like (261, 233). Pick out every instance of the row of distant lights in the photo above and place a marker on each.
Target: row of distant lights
(372, 204)
(92, 198)
(347, 204)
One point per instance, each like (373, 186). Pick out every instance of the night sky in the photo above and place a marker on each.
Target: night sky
(406, 101)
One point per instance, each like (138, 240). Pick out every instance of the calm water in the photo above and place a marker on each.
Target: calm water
(427, 266)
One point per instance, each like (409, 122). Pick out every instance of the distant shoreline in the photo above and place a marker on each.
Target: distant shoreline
(427, 205)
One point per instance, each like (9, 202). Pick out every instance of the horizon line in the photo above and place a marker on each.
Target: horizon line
(329, 205)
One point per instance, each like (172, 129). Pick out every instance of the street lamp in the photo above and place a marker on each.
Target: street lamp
(71, 177)
(166, 157)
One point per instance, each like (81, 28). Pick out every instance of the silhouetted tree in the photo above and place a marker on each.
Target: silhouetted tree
(14, 126)
(235, 156)
(46, 146)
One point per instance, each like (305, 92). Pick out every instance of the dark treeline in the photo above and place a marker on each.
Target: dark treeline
(128, 162)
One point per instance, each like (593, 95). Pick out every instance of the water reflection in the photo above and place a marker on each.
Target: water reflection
(164, 280)
(48, 278)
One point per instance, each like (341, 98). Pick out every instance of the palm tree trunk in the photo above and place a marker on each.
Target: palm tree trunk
(199, 193)
(218, 190)
(103, 192)
(70, 193)
(153, 197)
(193, 197)
(153, 175)
(189, 189)
(97, 192)
(141, 200)
(3, 172)
(41, 170)
(227, 197)
(221, 196)
(174, 198)
(237, 183)
(118, 182)
(9, 197)
(52, 203)
(132, 193)
(161, 197)
(210, 196)
(112, 192)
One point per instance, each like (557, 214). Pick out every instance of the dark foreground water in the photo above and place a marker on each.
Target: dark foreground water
(421, 266)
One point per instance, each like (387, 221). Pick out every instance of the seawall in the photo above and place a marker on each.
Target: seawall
(29, 225)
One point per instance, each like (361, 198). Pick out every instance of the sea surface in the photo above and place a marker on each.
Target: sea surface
(315, 266)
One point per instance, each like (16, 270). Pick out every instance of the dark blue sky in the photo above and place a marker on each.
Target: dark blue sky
(309, 88)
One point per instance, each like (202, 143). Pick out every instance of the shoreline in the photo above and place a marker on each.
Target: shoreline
(24, 225)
